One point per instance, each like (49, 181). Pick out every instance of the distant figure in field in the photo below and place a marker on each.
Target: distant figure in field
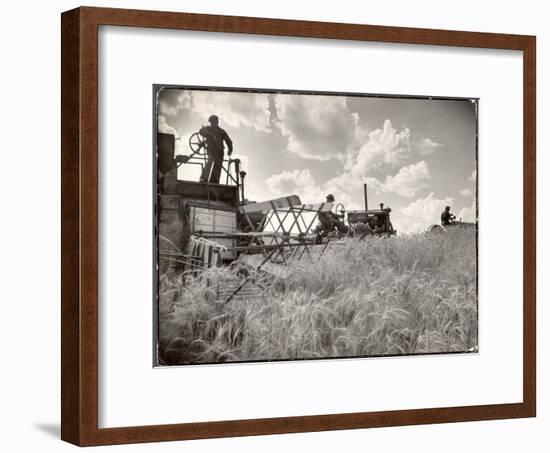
(447, 218)
(215, 137)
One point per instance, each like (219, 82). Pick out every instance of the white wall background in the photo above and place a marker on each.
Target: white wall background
(30, 229)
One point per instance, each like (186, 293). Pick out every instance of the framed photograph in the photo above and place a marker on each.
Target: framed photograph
(258, 261)
(274, 226)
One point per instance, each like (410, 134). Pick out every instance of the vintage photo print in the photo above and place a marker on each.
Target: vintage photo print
(313, 225)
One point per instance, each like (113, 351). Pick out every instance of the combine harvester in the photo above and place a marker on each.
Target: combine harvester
(203, 225)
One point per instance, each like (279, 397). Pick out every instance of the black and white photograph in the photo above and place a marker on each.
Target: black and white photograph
(294, 225)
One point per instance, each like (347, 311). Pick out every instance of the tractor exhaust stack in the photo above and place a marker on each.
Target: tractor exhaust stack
(366, 199)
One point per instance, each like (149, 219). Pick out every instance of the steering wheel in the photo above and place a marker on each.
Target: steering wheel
(197, 143)
(341, 207)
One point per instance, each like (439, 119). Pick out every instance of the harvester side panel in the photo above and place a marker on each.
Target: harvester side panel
(172, 223)
(212, 220)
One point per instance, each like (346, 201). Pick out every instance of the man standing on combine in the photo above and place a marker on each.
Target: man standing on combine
(214, 137)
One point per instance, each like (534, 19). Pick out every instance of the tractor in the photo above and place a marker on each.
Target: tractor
(370, 221)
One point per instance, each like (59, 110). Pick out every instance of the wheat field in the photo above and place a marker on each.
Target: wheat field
(411, 294)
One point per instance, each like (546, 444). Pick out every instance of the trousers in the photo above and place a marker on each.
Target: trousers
(213, 168)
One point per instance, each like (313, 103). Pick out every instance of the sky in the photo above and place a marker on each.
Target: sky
(415, 155)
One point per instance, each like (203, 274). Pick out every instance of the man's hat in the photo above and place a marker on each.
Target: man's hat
(447, 208)
(213, 118)
(330, 198)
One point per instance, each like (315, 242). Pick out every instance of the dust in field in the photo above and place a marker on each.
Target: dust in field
(381, 296)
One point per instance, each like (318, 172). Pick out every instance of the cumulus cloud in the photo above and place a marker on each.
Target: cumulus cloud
(296, 182)
(468, 214)
(303, 184)
(244, 160)
(386, 146)
(317, 127)
(181, 141)
(427, 146)
(345, 181)
(383, 146)
(164, 127)
(469, 191)
(407, 182)
(170, 102)
(323, 127)
(234, 109)
(290, 182)
(428, 208)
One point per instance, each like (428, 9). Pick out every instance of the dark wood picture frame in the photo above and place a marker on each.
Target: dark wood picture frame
(79, 216)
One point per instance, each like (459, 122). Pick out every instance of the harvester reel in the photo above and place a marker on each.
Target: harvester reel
(197, 143)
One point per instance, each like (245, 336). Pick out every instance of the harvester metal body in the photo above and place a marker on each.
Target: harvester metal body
(202, 224)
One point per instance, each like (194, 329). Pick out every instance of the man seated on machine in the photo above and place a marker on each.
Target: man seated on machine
(330, 221)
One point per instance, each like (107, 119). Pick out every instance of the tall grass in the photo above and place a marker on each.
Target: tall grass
(381, 296)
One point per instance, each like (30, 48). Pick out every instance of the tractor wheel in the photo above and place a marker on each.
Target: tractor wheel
(361, 231)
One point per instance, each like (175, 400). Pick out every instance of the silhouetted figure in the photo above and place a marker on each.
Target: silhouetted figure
(215, 137)
(447, 218)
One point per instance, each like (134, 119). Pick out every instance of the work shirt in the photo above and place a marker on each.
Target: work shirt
(446, 218)
(215, 137)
